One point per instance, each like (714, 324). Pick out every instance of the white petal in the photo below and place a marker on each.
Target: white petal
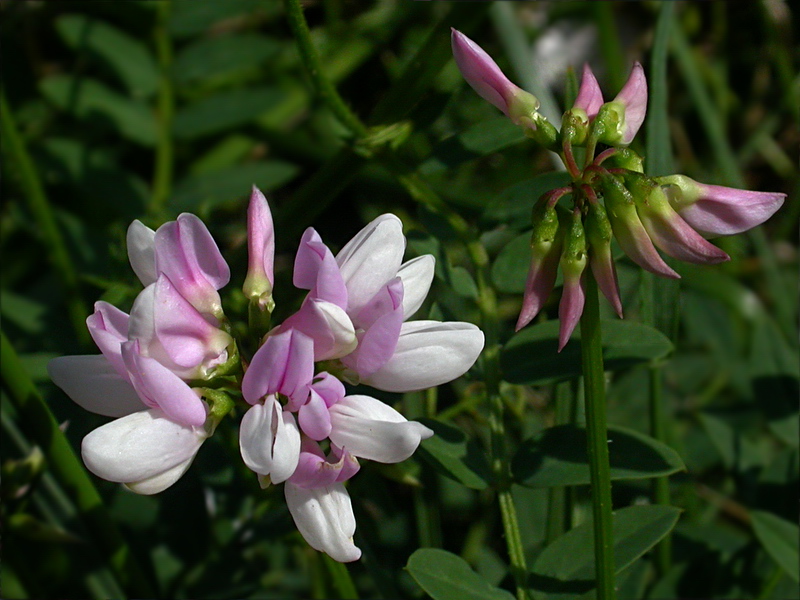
(324, 516)
(269, 440)
(140, 446)
(371, 259)
(417, 276)
(158, 483)
(141, 253)
(368, 428)
(93, 384)
(429, 353)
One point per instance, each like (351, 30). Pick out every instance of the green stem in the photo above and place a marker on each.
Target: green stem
(559, 506)
(37, 420)
(340, 576)
(39, 205)
(593, 374)
(164, 159)
(310, 57)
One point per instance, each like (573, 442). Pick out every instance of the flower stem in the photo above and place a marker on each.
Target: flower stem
(594, 378)
(341, 579)
(40, 206)
(164, 159)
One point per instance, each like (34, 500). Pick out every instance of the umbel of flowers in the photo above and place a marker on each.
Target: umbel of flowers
(610, 195)
(171, 370)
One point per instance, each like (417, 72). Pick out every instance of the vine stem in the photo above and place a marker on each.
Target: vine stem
(597, 436)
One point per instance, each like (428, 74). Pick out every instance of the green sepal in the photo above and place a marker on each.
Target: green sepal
(608, 125)
(573, 254)
(625, 158)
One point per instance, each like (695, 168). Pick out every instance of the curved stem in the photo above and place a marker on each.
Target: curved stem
(39, 205)
(597, 435)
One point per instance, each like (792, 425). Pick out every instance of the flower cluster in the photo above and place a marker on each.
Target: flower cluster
(171, 370)
(611, 195)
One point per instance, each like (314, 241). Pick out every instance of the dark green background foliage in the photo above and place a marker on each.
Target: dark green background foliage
(144, 110)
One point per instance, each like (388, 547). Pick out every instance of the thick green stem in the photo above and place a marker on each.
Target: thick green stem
(595, 393)
(38, 422)
(39, 205)
(164, 159)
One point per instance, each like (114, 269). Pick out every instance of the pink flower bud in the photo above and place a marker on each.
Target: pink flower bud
(260, 251)
(601, 261)
(486, 78)
(573, 263)
(622, 117)
(717, 210)
(590, 98)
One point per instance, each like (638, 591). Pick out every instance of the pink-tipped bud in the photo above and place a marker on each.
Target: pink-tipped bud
(628, 229)
(623, 116)
(716, 210)
(573, 263)
(598, 236)
(546, 239)
(486, 78)
(590, 98)
(261, 252)
(666, 228)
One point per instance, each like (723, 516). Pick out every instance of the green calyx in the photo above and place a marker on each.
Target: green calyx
(545, 222)
(609, 124)
(625, 158)
(574, 255)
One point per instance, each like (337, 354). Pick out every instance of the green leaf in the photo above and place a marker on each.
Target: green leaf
(231, 184)
(510, 268)
(127, 57)
(513, 206)
(531, 356)
(218, 56)
(450, 453)
(224, 111)
(189, 17)
(780, 538)
(479, 140)
(557, 456)
(736, 450)
(566, 567)
(445, 576)
(88, 99)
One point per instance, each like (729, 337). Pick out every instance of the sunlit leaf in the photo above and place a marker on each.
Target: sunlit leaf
(445, 576)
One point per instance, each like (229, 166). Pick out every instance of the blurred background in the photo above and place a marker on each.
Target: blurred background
(114, 111)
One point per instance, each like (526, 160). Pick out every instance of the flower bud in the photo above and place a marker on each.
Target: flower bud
(666, 228)
(628, 229)
(717, 210)
(598, 235)
(261, 252)
(546, 239)
(486, 78)
(573, 263)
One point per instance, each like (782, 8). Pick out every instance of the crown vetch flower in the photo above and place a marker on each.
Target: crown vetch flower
(590, 97)
(622, 117)
(717, 210)
(573, 263)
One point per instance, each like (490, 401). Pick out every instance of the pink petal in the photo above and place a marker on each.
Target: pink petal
(634, 97)
(186, 336)
(605, 273)
(189, 256)
(538, 285)
(140, 242)
(159, 387)
(570, 308)
(283, 364)
(383, 318)
(330, 389)
(590, 98)
(316, 269)
(108, 327)
(327, 324)
(676, 238)
(726, 211)
(313, 417)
